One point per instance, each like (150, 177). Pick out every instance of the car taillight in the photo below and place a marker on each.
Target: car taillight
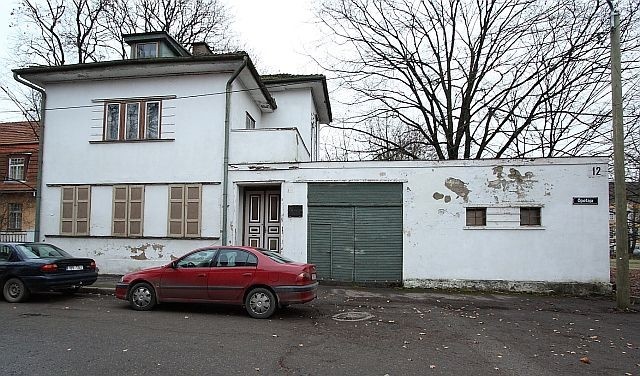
(303, 277)
(92, 266)
(49, 268)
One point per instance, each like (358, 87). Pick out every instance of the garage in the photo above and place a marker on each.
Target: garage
(355, 231)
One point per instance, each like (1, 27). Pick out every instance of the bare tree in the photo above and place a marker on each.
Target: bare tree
(188, 21)
(59, 32)
(475, 79)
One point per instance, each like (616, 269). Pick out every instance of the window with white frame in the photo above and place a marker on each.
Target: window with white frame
(17, 167)
(132, 120)
(15, 217)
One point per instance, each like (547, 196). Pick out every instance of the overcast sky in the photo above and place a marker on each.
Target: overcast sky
(279, 34)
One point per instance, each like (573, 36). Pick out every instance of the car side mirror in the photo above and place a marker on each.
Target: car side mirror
(172, 265)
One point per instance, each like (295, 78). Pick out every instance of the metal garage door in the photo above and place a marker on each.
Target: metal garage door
(355, 231)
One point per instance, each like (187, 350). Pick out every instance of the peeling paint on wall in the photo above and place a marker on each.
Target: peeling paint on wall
(141, 256)
(140, 253)
(438, 196)
(173, 258)
(515, 181)
(458, 187)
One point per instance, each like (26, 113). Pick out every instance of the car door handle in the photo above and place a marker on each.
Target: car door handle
(201, 275)
(246, 274)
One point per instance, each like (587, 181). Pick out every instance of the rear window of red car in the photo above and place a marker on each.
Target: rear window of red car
(276, 257)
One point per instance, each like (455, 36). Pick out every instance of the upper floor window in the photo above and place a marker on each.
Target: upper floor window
(132, 120)
(250, 122)
(17, 167)
(146, 50)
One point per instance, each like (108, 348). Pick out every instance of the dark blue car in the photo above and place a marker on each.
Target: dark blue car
(37, 267)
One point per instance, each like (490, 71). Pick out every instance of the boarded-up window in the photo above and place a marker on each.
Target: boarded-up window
(530, 217)
(75, 209)
(184, 210)
(476, 216)
(128, 210)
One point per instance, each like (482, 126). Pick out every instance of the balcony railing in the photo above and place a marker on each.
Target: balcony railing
(15, 236)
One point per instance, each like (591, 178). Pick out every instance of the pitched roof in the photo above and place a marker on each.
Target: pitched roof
(21, 132)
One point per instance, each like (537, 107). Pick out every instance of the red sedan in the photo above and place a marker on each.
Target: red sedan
(260, 280)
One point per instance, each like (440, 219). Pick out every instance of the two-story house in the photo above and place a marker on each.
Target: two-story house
(19, 170)
(147, 158)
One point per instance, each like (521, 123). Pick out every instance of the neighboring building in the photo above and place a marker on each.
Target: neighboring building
(147, 158)
(19, 170)
(633, 217)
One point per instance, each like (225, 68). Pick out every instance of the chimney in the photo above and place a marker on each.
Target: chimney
(200, 49)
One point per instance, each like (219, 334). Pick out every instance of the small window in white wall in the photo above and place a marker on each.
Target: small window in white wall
(250, 122)
(530, 217)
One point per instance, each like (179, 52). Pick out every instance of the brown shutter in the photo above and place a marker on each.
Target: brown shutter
(136, 210)
(66, 210)
(83, 209)
(192, 210)
(176, 210)
(119, 225)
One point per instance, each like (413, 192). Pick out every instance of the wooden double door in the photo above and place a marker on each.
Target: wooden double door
(262, 219)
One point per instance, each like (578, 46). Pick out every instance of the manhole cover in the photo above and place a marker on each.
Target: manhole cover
(352, 316)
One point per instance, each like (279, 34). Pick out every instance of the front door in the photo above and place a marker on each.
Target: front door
(262, 219)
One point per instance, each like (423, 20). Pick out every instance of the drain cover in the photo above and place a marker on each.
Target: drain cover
(352, 316)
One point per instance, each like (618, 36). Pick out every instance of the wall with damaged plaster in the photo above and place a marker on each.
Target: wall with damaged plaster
(571, 245)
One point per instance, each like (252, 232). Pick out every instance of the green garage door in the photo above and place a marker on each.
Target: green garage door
(355, 231)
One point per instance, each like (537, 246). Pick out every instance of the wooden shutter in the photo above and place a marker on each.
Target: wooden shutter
(136, 210)
(192, 210)
(66, 210)
(119, 225)
(83, 208)
(176, 210)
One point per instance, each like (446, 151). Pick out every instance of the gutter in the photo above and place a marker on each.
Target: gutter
(225, 163)
(43, 102)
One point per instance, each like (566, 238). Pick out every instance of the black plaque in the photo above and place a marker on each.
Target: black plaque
(295, 211)
(585, 201)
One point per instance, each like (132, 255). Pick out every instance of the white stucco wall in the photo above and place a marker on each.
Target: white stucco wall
(283, 117)
(570, 246)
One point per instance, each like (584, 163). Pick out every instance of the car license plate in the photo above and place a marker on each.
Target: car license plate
(313, 276)
(75, 267)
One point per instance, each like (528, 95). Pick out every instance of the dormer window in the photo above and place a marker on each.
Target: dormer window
(146, 50)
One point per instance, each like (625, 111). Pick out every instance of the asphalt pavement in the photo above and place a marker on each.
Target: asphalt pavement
(346, 331)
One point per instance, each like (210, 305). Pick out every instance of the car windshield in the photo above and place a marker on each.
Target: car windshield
(276, 257)
(34, 251)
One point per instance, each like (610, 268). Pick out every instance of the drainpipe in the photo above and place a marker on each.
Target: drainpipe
(43, 102)
(225, 164)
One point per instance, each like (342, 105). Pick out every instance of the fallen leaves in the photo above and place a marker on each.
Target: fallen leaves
(585, 360)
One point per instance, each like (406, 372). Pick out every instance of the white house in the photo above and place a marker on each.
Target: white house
(141, 157)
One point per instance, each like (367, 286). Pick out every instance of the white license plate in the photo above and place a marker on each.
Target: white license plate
(75, 267)
(313, 276)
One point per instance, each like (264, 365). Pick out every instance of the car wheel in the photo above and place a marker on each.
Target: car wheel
(15, 291)
(260, 303)
(142, 297)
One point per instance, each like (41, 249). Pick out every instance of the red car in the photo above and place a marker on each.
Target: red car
(260, 280)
